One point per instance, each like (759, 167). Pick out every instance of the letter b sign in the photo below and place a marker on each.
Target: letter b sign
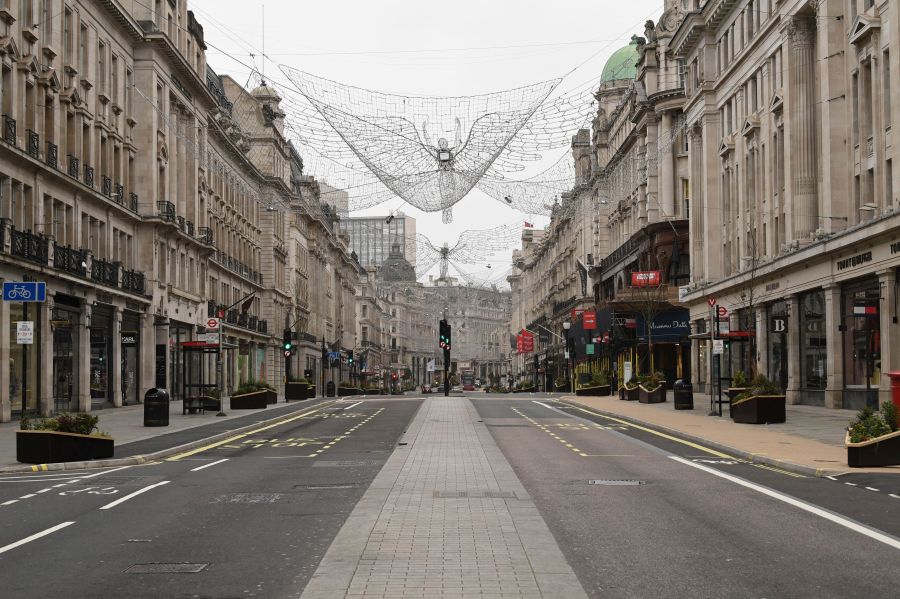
(778, 324)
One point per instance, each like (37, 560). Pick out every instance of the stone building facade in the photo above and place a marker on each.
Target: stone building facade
(790, 108)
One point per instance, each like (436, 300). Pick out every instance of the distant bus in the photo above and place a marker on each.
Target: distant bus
(467, 378)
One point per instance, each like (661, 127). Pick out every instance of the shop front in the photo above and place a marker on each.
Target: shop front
(861, 339)
(64, 321)
(813, 348)
(179, 332)
(101, 341)
(131, 344)
(24, 358)
(777, 343)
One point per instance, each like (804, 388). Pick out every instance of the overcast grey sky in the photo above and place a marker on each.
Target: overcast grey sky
(427, 48)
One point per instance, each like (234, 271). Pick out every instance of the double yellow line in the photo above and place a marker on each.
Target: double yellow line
(180, 456)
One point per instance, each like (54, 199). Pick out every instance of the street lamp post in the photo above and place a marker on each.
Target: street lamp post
(570, 371)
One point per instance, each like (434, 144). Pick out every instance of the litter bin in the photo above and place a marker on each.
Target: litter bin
(156, 407)
(329, 389)
(684, 395)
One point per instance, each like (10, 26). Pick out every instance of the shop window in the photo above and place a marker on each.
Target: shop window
(777, 323)
(861, 334)
(813, 356)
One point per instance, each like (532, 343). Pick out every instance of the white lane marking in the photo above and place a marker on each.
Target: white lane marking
(208, 465)
(851, 484)
(29, 496)
(10, 502)
(34, 537)
(44, 490)
(894, 496)
(135, 494)
(104, 472)
(353, 406)
(872, 488)
(540, 403)
(830, 478)
(59, 485)
(845, 522)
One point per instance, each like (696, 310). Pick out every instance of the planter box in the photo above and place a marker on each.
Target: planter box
(256, 400)
(629, 394)
(347, 391)
(880, 451)
(733, 392)
(658, 395)
(372, 392)
(294, 391)
(48, 447)
(201, 403)
(598, 391)
(562, 388)
(758, 409)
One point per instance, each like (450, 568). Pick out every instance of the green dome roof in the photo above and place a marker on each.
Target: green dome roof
(621, 65)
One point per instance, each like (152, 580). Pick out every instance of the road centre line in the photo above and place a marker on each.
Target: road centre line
(353, 406)
(135, 494)
(29, 496)
(180, 456)
(208, 465)
(807, 507)
(10, 502)
(35, 536)
(540, 403)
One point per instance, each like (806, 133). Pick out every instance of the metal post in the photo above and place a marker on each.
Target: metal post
(220, 371)
(446, 373)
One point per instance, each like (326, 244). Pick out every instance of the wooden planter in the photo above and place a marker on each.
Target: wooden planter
(598, 391)
(295, 391)
(880, 451)
(347, 391)
(733, 392)
(255, 400)
(758, 409)
(372, 392)
(658, 395)
(201, 403)
(49, 447)
(562, 388)
(629, 394)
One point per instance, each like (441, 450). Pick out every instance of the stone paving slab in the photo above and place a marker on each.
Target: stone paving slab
(445, 517)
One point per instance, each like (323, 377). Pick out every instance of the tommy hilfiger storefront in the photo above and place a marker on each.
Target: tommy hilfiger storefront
(823, 322)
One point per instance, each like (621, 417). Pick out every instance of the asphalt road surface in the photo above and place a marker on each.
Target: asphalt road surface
(250, 517)
(637, 513)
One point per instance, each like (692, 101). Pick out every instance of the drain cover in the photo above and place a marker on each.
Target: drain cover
(248, 498)
(344, 463)
(165, 568)
(617, 482)
(326, 487)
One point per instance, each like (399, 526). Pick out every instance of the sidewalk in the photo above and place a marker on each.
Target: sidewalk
(811, 441)
(126, 426)
(445, 517)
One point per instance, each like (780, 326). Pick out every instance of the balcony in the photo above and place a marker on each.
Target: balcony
(205, 235)
(74, 166)
(133, 281)
(166, 211)
(242, 319)
(252, 322)
(105, 272)
(133, 201)
(33, 144)
(120, 194)
(9, 130)
(69, 260)
(105, 185)
(52, 155)
(29, 246)
(231, 317)
(180, 221)
(211, 310)
(89, 175)
(262, 326)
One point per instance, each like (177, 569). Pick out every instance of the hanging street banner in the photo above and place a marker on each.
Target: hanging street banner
(646, 278)
(525, 342)
(590, 320)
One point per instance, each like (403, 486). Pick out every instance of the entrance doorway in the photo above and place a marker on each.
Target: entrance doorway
(65, 343)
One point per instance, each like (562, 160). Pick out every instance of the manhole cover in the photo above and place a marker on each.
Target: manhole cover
(165, 568)
(344, 463)
(248, 498)
(474, 494)
(617, 482)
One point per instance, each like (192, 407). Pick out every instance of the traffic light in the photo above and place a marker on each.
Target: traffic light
(287, 345)
(445, 335)
(350, 356)
(449, 330)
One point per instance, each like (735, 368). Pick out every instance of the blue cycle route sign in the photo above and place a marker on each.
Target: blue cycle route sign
(24, 292)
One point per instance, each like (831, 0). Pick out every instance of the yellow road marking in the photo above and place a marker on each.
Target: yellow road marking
(180, 456)
(549, 432)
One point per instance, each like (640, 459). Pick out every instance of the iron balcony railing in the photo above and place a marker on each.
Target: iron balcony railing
(211, 309)
(180, 220)
(166, 211)
(34, 144)
(88, 175)
(29, 246)
(242, 319)
(190, 227)
(70, 260)
(9, 130)
(205, 235)
(133, 280)
(105, 185)
(262, 326)
(252, 322)
(74, 166)
(120, 194)
(133, 201)
(105, 272)
(52, 155)
(231, 317)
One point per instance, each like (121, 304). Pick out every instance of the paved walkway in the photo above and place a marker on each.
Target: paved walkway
(811, 438)
(445, 517)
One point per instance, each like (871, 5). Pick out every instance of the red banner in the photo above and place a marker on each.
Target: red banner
(576, 312)
(525, 342)
(590, 320)
(646, 278)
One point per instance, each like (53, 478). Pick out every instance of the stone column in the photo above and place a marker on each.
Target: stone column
(115, 365)
(5, 405)
(45, 358)
(696, 225)
(890, 332)
(84, 359)
(147, 370)
(834, 345)
(666, 167)
(801, 33)
(793, 350)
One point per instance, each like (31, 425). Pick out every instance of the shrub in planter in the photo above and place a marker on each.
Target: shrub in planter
(761, 403)
(873, 438)
(652, 388)
(561, 384)
(63, 438)
(253, 395)
(738, 386)
(346, 389)
(598, 386)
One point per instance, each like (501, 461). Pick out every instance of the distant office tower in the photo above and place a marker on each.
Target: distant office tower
(371, 237)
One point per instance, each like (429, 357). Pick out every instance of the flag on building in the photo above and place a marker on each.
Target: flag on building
(430, 366)
(528, 225)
